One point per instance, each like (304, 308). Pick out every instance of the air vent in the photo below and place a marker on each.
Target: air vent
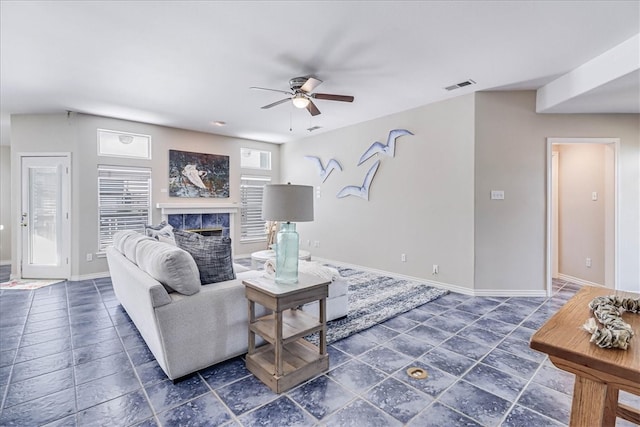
(459, 85)
(311, 129)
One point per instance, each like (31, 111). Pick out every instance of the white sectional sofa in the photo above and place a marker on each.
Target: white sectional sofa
(189, 331)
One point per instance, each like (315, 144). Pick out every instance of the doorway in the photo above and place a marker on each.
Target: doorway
(45, 230)
(586, 205)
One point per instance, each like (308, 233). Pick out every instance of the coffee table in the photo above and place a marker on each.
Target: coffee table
(600, 372)
(259, 258)
(287, 359)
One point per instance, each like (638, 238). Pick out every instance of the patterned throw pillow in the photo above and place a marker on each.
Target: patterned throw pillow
(162, 232)
(212, 255)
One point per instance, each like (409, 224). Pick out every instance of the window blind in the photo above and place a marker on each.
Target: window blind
(252, 226)
(124, 201)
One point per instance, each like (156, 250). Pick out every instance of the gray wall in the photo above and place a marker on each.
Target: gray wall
(78, 134)
(421, 201)
(432, 201)
(582, 220)
(510, 146)
(5, 205)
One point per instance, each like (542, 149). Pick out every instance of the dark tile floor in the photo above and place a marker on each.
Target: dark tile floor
(69, 355)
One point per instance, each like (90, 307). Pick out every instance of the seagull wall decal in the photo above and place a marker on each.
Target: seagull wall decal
(389, 149)
(362, 192)
(322, 171)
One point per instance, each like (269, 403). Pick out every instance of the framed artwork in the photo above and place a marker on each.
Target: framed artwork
(198, 175)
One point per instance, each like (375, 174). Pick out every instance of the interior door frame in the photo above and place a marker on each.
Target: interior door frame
(615, 143)
(66, 228)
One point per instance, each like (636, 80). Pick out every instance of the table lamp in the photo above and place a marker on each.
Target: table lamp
(287, 204)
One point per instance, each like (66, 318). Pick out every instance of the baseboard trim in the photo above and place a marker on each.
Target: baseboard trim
(509, 293)
(79, 278)
(578, 281)
(5, 262)
(448, 286)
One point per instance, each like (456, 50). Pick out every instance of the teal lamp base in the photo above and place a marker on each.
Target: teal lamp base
(287, 254)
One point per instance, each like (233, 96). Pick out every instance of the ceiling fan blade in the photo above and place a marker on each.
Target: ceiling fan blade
(311, 107)
(310, 84)
(330, 97)
(282, 101)
(272, 90)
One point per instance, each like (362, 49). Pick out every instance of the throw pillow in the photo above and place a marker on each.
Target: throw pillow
(162, 232)
(212, 255)
(169, 265)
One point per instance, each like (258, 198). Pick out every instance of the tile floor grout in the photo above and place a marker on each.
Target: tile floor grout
(367, 356)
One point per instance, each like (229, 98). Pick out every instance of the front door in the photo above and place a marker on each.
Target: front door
(44, 222)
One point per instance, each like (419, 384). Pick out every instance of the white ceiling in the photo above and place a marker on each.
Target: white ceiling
(186, 64)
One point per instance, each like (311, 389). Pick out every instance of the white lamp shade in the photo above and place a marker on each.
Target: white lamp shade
(286, 202)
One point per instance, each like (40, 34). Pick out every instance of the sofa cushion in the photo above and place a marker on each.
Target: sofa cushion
(169, 265)
(162, 232)
(130, 243)
(120, 237)
(212, 254)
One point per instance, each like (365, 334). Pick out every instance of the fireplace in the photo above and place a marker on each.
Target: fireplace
(205, 218)
(207, 231)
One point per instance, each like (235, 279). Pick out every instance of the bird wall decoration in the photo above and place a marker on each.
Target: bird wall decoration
(389, 149)
(324, 172)
(363, 191)
(194, 175)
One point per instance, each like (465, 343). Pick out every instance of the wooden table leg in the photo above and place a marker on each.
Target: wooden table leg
(252, 335)
(610, 407)
(589, 402)
(278, 347)
(323, 331)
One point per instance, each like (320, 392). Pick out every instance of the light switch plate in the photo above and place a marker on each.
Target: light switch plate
(497, 195)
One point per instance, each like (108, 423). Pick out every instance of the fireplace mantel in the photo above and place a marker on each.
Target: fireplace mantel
(196, 208)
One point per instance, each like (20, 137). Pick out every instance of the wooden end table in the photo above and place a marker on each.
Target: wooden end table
(287, 359)
(600, 372)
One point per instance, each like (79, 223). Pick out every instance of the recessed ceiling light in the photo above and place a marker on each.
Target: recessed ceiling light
(219, 123)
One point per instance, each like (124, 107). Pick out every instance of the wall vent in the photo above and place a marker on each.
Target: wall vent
(461, 84)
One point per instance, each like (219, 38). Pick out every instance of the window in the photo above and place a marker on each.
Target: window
(122, 144)
(255, 159)
(252, 227)
(124, 201)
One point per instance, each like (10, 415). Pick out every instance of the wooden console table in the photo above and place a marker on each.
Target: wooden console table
(600, 373)
(288, 359)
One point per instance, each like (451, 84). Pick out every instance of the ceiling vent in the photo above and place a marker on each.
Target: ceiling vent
(311, 129)
(459, 85)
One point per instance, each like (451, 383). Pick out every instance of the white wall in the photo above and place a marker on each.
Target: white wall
(421, 201)
(511, 155)
(77, 134)
(581, 219)
(5, 205)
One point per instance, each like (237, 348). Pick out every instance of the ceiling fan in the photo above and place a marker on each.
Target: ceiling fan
(301, 94)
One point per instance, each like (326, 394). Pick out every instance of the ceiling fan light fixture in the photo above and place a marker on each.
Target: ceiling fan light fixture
(300, 101)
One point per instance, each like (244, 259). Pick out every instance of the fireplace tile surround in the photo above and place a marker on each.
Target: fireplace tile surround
(190, 216)
(198, 221)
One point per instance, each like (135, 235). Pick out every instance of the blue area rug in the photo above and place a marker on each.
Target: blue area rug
(374, 299)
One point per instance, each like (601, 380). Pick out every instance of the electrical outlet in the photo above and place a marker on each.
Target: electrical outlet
(588, 263)
(316, 243)
(403, 257)
(89, 257)
(436, 269)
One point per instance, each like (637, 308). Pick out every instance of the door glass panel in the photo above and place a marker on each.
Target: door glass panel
(44, 222)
